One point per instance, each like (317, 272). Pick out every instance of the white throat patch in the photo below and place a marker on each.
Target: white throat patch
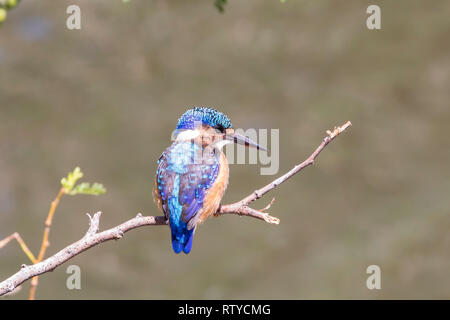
(187, 135)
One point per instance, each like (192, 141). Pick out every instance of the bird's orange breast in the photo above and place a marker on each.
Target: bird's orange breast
(215, 193)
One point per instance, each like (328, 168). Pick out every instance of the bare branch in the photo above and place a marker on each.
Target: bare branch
(242, 207)
(93, 238)
(88, 241)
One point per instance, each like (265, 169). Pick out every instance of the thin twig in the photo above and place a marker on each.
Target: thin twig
(45, 242)
(242, 207)
(92, 238)
(48, 223)
(22, 244)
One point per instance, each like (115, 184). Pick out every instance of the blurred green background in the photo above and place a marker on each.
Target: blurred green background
(107, 97)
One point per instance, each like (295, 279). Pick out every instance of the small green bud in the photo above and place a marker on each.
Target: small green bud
(69, 182)
(2, 15)
(11, 3)
(85, 188)
(220, 4)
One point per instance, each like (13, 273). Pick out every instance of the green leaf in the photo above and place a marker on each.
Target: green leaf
(220, 4)
(71, 188)
(11, 3)
(69, 182)
(85, 188)
(8, 4)
(2, 15)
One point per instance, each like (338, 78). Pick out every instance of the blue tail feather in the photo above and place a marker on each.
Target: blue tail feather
(188, 246)
(182, 240)
(181, 235)
(177, 246)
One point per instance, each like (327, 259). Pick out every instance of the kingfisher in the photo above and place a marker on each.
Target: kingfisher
(192, 173)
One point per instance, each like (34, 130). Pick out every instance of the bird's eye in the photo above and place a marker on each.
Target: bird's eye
(219, 128)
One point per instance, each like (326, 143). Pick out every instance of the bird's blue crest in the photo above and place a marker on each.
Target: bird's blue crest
(205, 115)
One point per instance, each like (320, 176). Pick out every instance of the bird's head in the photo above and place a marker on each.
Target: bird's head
(207, 126)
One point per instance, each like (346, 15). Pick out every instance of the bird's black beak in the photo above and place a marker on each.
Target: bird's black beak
(240, 139)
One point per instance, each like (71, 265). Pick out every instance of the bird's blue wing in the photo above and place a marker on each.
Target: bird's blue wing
(185, 173)
(164, 182)
(194, 186)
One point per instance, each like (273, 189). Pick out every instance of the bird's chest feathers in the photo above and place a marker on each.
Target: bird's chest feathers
(215, 193)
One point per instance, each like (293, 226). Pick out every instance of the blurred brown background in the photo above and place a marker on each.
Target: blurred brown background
(107, 97)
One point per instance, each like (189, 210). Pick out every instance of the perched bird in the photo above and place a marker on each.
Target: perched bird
(192, 173)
